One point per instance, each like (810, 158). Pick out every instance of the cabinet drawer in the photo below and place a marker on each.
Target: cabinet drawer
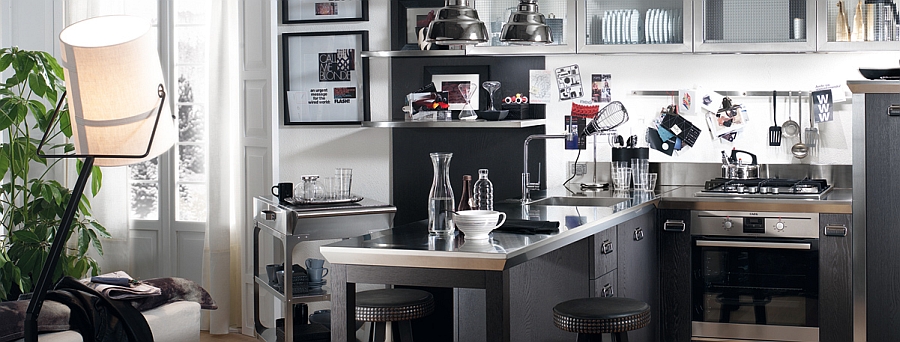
(605, 285)
(605, 251)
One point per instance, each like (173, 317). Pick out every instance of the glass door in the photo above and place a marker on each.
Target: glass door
(610, 26)
(855, 25)
(755, 26)
(558, 14)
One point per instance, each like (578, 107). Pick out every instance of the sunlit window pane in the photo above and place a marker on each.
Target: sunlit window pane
(145, 201)
(192, 84)
(146, 171)
(191, 163)
(192, 44)
(191, 123)
(192, 202)
(191, 12)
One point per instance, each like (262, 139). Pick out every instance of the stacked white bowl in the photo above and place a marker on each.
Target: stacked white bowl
(477, 224)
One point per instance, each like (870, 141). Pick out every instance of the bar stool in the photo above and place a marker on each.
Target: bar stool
(392, 305)
(592, 317)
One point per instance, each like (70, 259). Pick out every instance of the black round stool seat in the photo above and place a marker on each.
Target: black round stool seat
(601, 315)
(388, 305)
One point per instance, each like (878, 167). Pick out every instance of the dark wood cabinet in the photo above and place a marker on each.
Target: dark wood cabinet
(835, 286)
(638, 271)
(675, 273)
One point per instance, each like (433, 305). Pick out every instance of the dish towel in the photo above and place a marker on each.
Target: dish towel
(529, 227)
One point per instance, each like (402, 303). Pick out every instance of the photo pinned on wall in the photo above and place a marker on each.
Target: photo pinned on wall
(568, 80)
(317, 11)
(451, 83)
(600, 88)
(541, 86)
(325, 78)
(823, 105)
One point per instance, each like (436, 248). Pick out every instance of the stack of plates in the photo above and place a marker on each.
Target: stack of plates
(659, 26)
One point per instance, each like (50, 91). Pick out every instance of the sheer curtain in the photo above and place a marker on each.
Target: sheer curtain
(223, 233)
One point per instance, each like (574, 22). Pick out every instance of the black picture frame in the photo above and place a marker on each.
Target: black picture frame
(325, 79)
(321, 11)
(400, 10)
(483, 72)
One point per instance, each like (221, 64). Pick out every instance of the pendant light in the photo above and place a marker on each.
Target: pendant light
(526, 26)
(457, 24)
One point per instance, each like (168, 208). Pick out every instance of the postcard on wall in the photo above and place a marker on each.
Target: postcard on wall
(823, 105)
(312, 11)
(568, 80)
(541, 86)
(600, 88)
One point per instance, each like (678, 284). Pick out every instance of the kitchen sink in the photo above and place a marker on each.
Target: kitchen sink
(580, 201)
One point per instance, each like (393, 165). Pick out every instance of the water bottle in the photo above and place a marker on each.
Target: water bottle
(484, 192)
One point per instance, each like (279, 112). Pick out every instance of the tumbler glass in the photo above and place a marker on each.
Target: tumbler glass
(344, 178)
(621, 175)
(639, 169)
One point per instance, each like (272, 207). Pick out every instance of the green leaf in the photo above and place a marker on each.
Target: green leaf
(29, 260)
(100, 228)
(96, 180)
(38, 84)
(26, 236)
(95, 241)
(5, 60)
(84, 241)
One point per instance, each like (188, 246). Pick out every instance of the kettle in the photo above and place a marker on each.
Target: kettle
(734, 168)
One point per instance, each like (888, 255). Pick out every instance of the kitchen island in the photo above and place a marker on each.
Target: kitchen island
(515, 302)
(506, 269)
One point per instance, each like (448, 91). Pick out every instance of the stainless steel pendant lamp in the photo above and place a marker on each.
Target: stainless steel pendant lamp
(457, 24)
(526, 26)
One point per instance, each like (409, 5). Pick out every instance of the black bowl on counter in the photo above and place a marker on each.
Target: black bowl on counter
(491, 115)
(880, 74)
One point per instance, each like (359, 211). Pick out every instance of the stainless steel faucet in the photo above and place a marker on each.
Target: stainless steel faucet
(527, 185)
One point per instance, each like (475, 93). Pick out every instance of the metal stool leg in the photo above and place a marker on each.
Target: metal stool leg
(377, 331)
(621, 336)
(589, 338)
(403, 331)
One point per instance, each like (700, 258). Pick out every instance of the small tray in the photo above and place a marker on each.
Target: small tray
(304, 201)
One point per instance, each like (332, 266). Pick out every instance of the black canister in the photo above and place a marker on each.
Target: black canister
(301, 314)
(626, 154)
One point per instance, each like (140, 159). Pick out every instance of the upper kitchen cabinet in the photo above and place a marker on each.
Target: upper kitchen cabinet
(618, 26)
(558, 14)
(725, 26)
(857, 25)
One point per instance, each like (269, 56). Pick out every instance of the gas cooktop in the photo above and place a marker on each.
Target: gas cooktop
(766, 188)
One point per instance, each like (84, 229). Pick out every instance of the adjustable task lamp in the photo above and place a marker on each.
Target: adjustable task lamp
(456, 24)
(116, 97)
(526, 26)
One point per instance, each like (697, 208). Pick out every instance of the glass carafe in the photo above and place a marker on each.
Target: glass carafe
(440, 199)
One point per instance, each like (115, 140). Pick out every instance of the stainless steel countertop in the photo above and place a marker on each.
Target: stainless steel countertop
(411, 246)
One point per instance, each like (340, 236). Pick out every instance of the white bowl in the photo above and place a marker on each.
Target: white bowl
(478, 224)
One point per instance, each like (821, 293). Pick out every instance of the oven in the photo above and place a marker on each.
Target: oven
(755, 276)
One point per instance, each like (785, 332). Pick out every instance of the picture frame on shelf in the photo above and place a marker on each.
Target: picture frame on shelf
(449, 83)
(434, 73)
(325, 78)
(320, 11)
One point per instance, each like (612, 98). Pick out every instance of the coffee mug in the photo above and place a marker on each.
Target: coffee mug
(316, 274)
(314, 263)
(283, 191)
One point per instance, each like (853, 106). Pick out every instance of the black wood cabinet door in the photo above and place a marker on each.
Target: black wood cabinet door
(638, 271)
(835, 282)
(675, 271)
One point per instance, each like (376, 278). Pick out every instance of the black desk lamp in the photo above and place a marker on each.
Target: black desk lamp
(116, 97)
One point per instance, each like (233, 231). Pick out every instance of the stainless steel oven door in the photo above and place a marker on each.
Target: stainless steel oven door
(755, 288)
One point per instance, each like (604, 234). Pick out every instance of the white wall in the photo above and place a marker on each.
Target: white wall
(728, 72)
(305, 150)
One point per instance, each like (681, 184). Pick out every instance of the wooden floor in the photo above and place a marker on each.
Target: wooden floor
(206, 337)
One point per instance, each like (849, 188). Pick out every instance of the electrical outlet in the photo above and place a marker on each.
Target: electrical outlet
(578, 169)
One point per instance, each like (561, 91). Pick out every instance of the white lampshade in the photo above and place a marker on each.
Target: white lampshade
(113, 73)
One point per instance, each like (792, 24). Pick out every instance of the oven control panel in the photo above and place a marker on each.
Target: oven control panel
(760, 224)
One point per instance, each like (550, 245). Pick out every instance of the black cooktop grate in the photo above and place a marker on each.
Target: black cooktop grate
(811, 185)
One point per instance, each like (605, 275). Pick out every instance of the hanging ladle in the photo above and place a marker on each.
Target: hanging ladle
(800, 150)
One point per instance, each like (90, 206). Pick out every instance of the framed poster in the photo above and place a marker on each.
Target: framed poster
(317, 11)
(451, 83)
(326, 81)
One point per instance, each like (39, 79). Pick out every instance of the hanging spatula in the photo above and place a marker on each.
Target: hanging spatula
(775, 130)
(812, 133)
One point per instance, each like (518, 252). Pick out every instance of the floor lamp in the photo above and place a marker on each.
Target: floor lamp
(116, 97)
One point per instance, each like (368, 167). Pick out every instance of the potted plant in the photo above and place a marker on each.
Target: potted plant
(31, 201)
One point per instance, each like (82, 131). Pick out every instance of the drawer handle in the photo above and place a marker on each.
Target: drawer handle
(835, 230)
(269, 215)
(606, 247)
(638, 234)
(607, 291)
(893, 110)
(674, 226)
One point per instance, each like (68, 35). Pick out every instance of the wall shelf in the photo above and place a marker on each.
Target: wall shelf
(456, 124)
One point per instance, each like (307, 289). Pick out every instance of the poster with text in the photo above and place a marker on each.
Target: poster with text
(600, 88)
(823, 105)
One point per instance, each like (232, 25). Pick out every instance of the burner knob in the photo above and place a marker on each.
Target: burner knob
(727, 224)
(779, 226)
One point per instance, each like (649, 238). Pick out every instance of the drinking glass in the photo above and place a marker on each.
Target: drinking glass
(344, 177)
(651, 181)
(639, 169)
(621, 175)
